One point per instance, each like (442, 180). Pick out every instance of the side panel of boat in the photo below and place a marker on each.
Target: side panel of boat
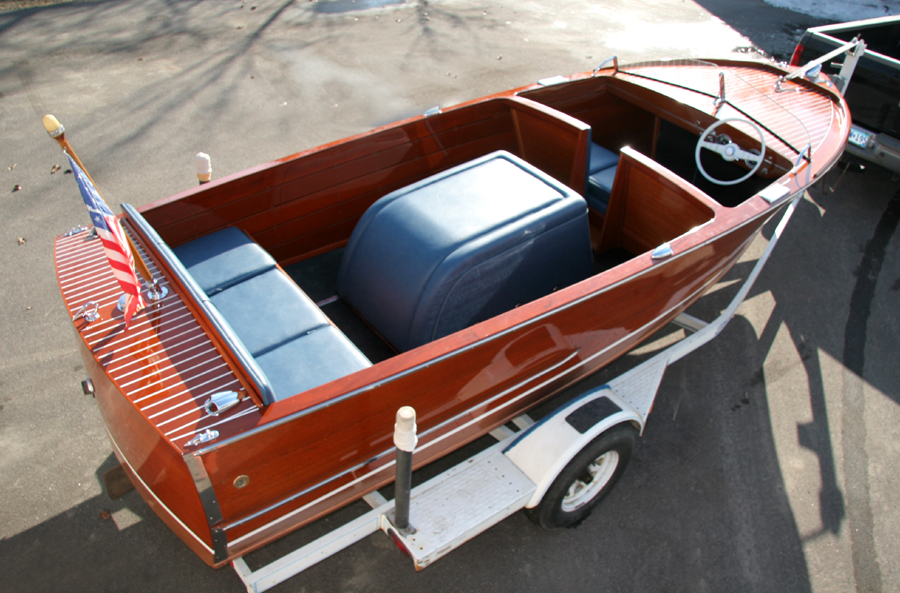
(154, 466)
(614, 122)
(509, 372)
(309, 203)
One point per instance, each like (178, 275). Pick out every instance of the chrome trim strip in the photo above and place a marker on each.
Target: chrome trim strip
(422, 448)
(425, 446)
(204, 488)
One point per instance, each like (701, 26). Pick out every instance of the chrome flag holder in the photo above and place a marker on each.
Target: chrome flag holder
(155, 292)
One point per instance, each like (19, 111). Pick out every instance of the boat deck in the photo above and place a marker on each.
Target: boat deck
(166, 364)
(795, 112)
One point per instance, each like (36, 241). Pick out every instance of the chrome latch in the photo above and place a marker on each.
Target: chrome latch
(203, 437)
(88, 311)
(219, 403)
(662, 252)
(75, 230)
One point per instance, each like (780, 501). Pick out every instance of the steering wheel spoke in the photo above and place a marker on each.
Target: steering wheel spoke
(730, 151)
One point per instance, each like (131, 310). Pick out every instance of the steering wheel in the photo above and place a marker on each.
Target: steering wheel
(729, 150)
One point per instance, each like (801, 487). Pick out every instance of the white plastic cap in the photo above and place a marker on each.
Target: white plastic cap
(405, 437)
(204, 166)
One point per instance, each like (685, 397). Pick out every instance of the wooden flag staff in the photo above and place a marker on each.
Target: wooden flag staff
(58, 132)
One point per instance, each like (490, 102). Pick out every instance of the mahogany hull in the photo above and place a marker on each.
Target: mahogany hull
(274, 468)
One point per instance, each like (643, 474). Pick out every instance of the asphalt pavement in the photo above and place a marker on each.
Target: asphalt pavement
(771, 461)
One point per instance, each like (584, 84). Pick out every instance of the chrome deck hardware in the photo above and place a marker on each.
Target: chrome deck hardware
(155, 292)
(219, 403)
(203, 437)
(664, 251)
(614, 60)
(75, 230)
(88, 311)
(720, 98)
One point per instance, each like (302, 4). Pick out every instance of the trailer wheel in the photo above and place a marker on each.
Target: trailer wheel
(586, 480)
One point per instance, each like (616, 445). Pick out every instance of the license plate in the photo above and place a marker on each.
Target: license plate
(858, 137)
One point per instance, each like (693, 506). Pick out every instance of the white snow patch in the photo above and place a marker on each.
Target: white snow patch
(703, 39)
(840, 10)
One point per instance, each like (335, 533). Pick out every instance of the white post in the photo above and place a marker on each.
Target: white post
(405, 440)
(204, 167)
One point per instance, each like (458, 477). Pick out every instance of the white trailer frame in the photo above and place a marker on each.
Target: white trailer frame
(516, 472)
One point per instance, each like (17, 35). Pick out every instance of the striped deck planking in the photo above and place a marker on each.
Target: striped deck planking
(164, 362)
(802, 115)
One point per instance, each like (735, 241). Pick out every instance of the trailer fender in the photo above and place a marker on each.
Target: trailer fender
(542, 451)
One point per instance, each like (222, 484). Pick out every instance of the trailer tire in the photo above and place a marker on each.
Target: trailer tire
(586, 479)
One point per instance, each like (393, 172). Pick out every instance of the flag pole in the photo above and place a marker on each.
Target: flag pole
(58, 132)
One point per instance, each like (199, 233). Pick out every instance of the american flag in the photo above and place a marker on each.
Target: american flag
(115, 243)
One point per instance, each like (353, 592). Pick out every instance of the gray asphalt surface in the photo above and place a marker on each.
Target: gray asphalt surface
(772, 459)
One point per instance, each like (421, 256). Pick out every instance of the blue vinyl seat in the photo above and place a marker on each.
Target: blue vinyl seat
(602, 165)
(224, 258)
(268, 310)
(287, 335)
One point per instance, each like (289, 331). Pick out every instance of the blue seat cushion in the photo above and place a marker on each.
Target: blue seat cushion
(601, 158)
(222, 259)
(463, 246)
(310, 360)
(268, 310)
(599, 189)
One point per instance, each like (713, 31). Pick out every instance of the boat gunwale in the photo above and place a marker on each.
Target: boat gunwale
(446, 423)
(406, 371)
(425, 359)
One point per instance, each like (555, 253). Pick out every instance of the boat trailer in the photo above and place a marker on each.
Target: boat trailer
(540, 467)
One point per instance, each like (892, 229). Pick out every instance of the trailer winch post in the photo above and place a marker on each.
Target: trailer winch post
(405, 440)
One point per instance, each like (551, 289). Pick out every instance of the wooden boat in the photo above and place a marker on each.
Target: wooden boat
(472, 281)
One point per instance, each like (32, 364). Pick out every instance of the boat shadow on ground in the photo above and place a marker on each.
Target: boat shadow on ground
(701, 507)
(106, 545)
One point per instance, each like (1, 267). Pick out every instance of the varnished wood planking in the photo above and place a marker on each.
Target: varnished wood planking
(394, 162)
(329, 436)
(295, 471)
(649, 206)
(165, 363)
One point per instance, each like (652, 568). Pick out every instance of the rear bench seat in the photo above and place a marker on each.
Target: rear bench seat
(287, 335)
(601, 174)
